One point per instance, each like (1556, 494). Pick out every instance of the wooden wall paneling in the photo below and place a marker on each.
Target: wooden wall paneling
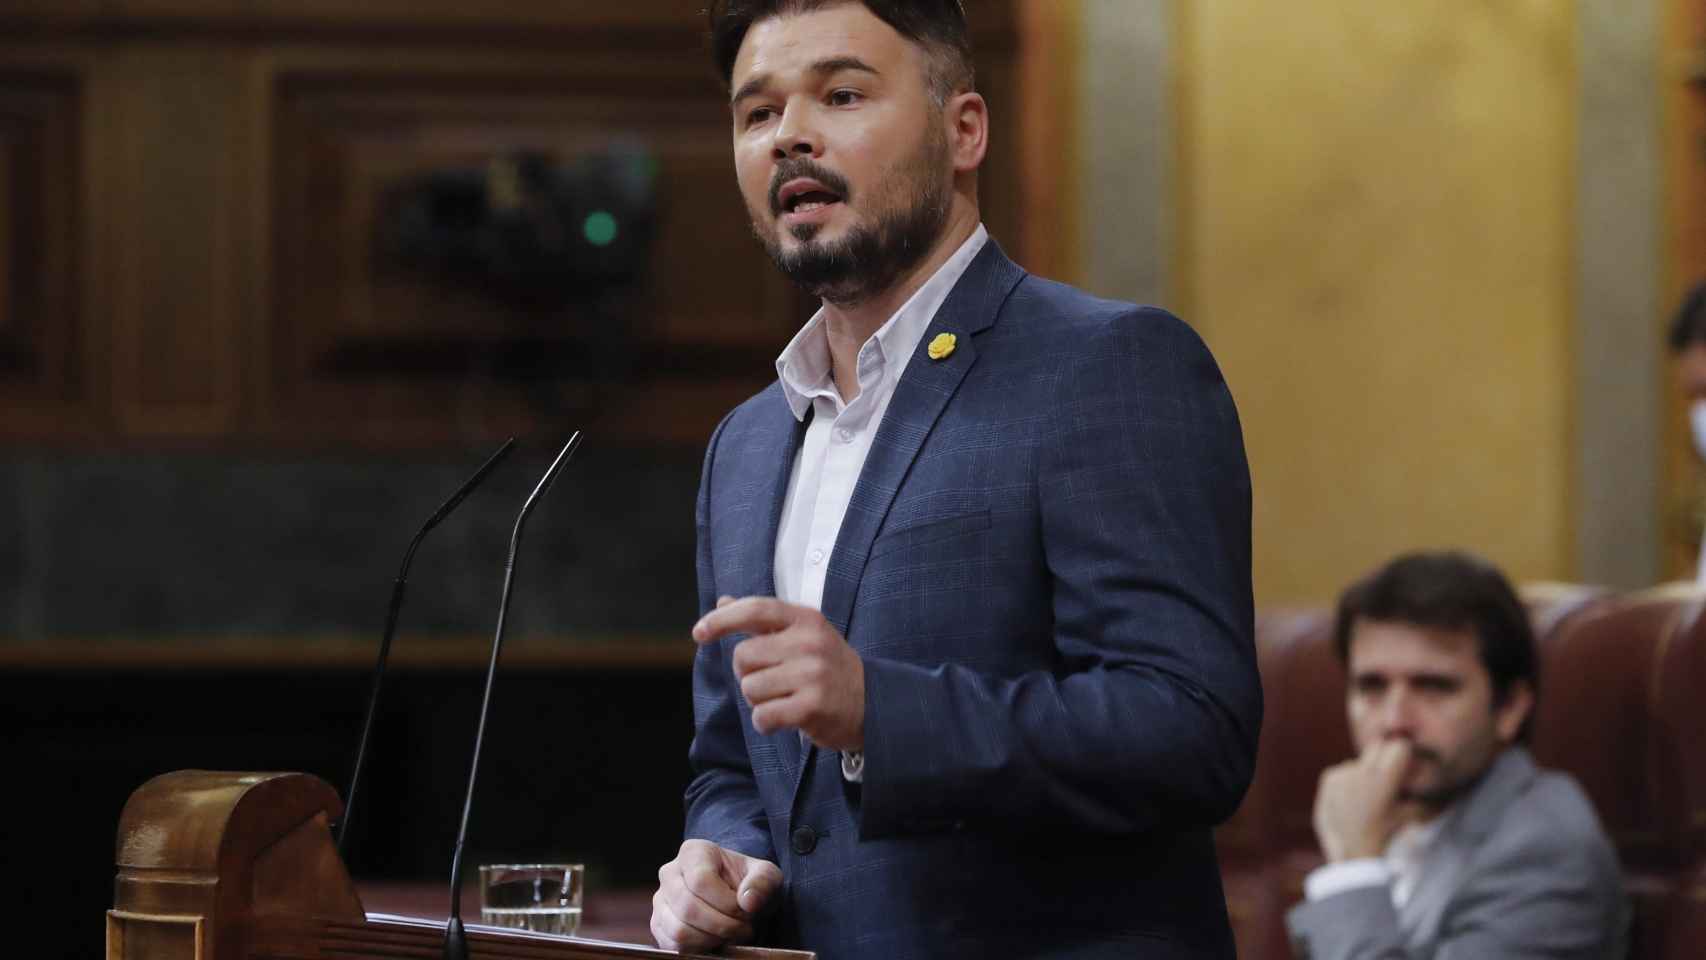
(38, 12)
(426, 360)
(215, 261)
(1023, 204)
(178, 299)
(1047, 99)
(44, 385)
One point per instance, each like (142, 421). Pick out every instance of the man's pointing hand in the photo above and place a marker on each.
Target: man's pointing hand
(795, 669)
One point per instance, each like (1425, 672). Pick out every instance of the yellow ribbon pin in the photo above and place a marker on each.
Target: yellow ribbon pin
(942, 346)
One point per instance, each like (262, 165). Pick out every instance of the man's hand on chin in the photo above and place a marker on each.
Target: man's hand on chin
(795, 669)
(1357, 807)
(707, 897)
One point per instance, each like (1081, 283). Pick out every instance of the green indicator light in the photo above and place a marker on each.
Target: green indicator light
(599, 229)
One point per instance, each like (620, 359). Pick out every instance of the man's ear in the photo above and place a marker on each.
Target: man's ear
(967, 117)
(1508, 717)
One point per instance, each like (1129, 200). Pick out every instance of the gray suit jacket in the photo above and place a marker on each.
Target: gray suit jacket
(1520, 868)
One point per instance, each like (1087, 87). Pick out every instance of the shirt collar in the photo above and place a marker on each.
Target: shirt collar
(803, 367)
(1411, 841)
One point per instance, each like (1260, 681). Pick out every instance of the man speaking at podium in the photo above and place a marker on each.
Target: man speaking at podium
(975, 672)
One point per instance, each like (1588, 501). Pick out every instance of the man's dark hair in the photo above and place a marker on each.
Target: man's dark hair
(1449, 590)
(1688, 327)
(939, 26)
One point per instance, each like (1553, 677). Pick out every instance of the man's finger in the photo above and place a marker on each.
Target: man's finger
(1390, 756)
(725, 600)
(661, 934)
(702, 877)
(669, 932)
(746, 615)
(694, 913)
(684, 920)
(1391, 762)
(760, 652)
(761, 686)
(782, 713)
(760, 883)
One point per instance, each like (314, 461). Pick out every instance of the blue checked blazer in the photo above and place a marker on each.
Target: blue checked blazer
(1045, 568)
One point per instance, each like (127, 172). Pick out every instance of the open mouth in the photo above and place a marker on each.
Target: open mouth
(805, 196)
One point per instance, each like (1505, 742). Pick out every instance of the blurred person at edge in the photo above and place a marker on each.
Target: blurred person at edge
(976, 672)
(1688, 347)
(1442, 837)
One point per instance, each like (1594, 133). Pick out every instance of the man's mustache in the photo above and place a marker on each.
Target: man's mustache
(1428, 754)
(795, 168)
(1425, 754)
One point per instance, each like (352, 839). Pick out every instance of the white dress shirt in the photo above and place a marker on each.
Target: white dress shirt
(839, 437)
(1400, 866)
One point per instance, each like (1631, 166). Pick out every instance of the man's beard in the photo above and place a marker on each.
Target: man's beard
(1450, 785)
(872, 257)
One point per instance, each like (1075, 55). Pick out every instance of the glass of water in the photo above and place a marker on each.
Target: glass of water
(542, 897)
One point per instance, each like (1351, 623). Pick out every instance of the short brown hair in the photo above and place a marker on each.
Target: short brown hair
(939, 26)
(1449, 590)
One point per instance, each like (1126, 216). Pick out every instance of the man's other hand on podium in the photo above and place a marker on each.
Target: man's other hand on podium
(707, 896)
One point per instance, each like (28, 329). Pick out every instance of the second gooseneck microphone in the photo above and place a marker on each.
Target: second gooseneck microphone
(455, 938)
(397, 591)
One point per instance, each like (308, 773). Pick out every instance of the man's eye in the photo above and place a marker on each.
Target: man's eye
(758, 116)
(844, 98)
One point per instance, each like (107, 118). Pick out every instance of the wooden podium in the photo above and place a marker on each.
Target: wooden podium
(241, 866)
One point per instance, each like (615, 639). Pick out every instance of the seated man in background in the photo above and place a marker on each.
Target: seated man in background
(1688, 346)
(1442, 837)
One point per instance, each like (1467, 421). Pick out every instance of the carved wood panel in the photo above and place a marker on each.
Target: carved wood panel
(42, 378)
(419, 353)
(178, 304)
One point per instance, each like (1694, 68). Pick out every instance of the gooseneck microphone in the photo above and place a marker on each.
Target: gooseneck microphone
(397, 591)
(455, 938)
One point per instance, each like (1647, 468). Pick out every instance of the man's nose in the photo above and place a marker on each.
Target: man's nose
(1398, 714)
(796, 135)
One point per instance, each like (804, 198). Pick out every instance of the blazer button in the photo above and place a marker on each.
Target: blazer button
(803, 840)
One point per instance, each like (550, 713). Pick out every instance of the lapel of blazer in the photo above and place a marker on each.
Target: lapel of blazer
(1469, 826)
(918, 401)
(919, 398)
(773, 450)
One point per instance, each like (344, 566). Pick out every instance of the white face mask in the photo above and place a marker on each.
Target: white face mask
(1697, 426)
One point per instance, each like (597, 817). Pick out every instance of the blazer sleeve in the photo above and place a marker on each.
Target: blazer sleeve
(1151, 719)
(722, 801)
(1358, 924)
